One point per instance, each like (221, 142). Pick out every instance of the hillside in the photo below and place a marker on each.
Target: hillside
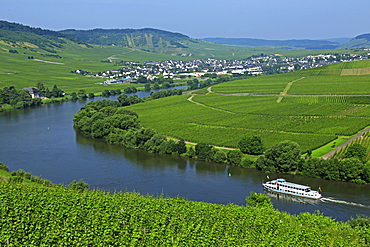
(56, 216)
(147, 38)
(31, 55)
(361, 41)
(284, 44)
(33, 39)
(311, 107)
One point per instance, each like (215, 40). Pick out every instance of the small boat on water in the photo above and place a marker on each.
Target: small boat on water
(282, 186)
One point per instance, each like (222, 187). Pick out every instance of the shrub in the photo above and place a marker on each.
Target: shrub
(78, 186)
(16, 180)
(3, 167)
(258, 200)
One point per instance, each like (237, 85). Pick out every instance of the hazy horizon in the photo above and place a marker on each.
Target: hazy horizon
(262, 19)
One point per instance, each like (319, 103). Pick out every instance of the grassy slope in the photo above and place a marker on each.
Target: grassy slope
(312, 121)
(16, 70)
(19, 71)
(54, 216)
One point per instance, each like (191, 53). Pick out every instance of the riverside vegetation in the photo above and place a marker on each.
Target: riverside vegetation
(108, 120)
(34, 214)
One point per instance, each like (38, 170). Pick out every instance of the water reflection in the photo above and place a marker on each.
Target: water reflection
(290, 198)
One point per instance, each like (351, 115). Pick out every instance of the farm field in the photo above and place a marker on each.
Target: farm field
(252, 107)
(19, 71)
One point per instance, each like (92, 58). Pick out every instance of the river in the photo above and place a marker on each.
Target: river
(42, 141)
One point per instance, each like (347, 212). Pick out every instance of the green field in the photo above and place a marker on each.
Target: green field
(253, 107)
(19, 71)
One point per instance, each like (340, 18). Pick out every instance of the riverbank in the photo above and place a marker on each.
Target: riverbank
(139, 90)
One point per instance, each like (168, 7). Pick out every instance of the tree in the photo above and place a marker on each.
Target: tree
(40, 86)
(25, 96)
(78, 186)
(156, 86)
(141, 79)
(101, 128)
(130, 89)
(181, 147)
(251, 145)
(47, 93)
(105, 93)
(13, 96)
(147, 87)
(190, 152)
(219, 156)
(234, 157)
(81, 94)
(356, 151)
(283, 157)
(36, 101)
(56, 92)
(204, 152)
(154, 143)
(297, 66)
(74, 96)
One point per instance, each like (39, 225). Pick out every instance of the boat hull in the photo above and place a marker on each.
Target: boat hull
(314, 196)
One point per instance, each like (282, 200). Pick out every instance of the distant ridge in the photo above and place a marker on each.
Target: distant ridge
(149, 39)
(18, 35)
(360, 41)
(154, 40)
(285, 44)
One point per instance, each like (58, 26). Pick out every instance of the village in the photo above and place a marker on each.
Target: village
(252, 66)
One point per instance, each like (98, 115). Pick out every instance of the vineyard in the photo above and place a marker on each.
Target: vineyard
(364, 141)
(55, 216)
(318, 106)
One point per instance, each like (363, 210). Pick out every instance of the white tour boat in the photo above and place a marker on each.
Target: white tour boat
(282, 186)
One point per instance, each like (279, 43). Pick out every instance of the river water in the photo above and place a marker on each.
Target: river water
(42, 141)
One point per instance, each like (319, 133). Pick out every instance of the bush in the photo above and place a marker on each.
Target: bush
(78, 186)
(247, 163)
(251, 145)
(258, 200)
(15, 180)
(3, 167)
(234, 157)
(19, 173)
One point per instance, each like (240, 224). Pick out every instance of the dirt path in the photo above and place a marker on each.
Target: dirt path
(286, 89)
(331, 153)
(193, 143)
(213, 108)
(39, 60)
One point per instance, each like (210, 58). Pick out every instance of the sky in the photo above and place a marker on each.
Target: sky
(264, 19)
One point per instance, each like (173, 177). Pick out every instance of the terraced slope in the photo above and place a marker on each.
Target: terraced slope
(311, 107)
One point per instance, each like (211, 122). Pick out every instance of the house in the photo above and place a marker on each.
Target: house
(35, 93)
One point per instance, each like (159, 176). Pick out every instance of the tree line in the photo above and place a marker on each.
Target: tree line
(106, 119)
(285, 157)
(17, 98)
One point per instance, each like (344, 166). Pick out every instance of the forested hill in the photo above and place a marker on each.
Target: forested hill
(286, 44)
(18, 35)
(147, 38)
(361, 41)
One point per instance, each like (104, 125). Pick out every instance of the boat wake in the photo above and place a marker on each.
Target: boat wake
(329, 199)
